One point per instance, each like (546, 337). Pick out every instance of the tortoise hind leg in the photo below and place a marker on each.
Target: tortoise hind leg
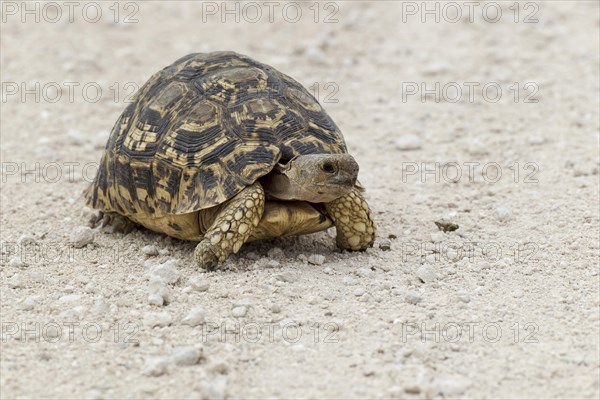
(356, 229)
(232, 227)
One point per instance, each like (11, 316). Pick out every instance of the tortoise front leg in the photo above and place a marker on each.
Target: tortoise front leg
(356, 229)
(232, 227)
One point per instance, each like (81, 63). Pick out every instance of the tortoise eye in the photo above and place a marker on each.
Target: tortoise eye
(328, 167)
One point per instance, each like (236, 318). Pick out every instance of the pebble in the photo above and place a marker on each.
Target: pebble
(167, 271)
(150, 250)
(239, 312)
(195, 317)
(16, 262)
(408, 142)
(155, 300)
(464, 297)
(503, 214)
(316, 259)
(199, 284)
(385, 245)
(437, 237)
(286, 277)
(349, 281)
(158, 289)
(216, 389)
(25, 240)
(364, 272)
(27, 304)
(412, 389)
(328, 270)
(413, 297)
(536, 140)
(185, 355)
(155, 366)
(426, 273)
(359, 292)
(275, 253)
(70, 298)
(81, 236)
(161, 319)
(275, 309)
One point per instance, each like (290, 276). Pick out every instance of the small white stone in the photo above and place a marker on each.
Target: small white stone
(161, 319)
(167, 271)
(359, 292)
(239, 312)
(437, 237)
(413, 297)
(185, 355)
(155, 300)
(316, 259)
(216, 389)
(426, 273)
(158, 288)
(69, 298)
(155, 366)
(150, 250)
(503, 214)
(27, 304)
(195, 317)
(536, 140)
(464, 297)
(328, 270)
(408, 142)
(275, 253)
(286, 277)
(199, 284)
(16, 262)
(82, 236)
(275, 309)
(349, 281)
(364, 272)
(25, 240)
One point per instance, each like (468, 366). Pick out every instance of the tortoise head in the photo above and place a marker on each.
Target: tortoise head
(317, 178)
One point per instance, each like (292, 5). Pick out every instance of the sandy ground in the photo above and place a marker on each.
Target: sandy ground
(507, 306)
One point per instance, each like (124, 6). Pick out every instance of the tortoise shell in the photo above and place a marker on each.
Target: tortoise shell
(201, 130)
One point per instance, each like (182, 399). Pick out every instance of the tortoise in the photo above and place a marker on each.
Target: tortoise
(221, 149)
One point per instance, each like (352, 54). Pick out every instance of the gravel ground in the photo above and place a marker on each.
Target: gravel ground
(506, 306)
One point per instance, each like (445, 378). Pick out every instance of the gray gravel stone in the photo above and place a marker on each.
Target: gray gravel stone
(385, 245)
(316, 259)
(155, 366)
(167, 271)
(157, 288)
(195, 317)
(161, 319)
(359, 292)
(81, 236)
(199, 284)
(239, 311)
(364, 272)
(16, 262)
(413, 297)
(503, 214)
(150, 250)
(185, 355)
(155, 300)
(25, 240)
(286, 277)
(426, 273)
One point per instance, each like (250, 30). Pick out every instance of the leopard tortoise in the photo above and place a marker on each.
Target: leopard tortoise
(221, 149)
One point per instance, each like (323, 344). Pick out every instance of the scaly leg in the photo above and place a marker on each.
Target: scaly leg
(232, 227)
(356, 229)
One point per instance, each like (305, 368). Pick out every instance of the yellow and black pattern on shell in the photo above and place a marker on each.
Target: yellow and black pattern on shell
(201, 130)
